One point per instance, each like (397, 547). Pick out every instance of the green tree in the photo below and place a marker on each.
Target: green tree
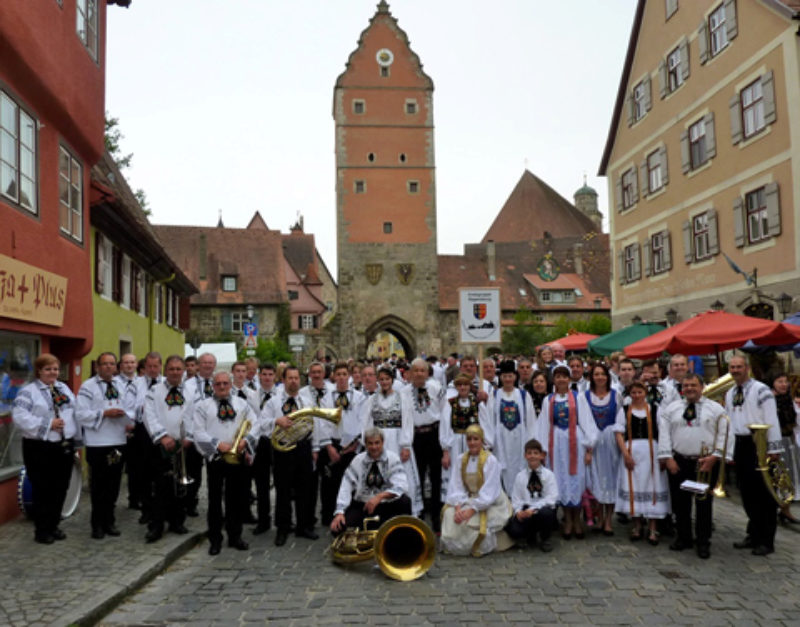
(526, 334)
(113, 140)
(271, 351)
(596, 324)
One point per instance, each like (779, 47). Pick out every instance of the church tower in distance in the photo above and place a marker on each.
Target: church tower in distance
(386, 194)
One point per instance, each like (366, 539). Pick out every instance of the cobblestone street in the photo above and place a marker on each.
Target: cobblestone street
(599, 580)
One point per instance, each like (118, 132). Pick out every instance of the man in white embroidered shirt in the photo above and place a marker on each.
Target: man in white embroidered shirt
(375, 484)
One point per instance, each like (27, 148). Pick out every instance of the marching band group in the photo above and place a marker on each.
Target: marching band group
(488, 459)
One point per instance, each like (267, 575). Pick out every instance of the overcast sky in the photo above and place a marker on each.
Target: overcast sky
(227, 104)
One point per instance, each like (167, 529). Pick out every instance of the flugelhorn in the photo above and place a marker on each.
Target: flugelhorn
(286, 438)
(232, 456)
(774, 472)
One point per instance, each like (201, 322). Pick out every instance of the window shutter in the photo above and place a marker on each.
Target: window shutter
(98, 253)
(299, 322)
(662, 78)
(672, 6)
(315, 321)
(738, 222)
(735, 107)
(637, 262)
(684, 66)
(773, 209)
(688, 250)
(635, 186)
(648, 99)
(702, 41)
(713, 234)
(711, 139)
(618, 194)
(667, 251)
(645, 178)
(621, 258)
(629, 103)
(134, 291)
(646, 256)
(227, 322)
(662, 158)
(768, 93)
(147, 295)
(116, 274)
(730, 19)
(686, 160)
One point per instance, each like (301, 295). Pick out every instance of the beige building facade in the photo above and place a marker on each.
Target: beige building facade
(703, 161)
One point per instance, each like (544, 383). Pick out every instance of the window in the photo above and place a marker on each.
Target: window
(141, 292)
(86, 25)
(402, 157)
(329, 306)
(307, 321)
(411, 107)
(752, 109)
(359, 107)
(17, 154)
(104, 272)
(360, 187)
(697, 144)
(413, 187)
(629, 189)
(674, 75)
(700, 237)
(294, 294)
(387, 227)
(70, 196)
(384, 71)
(639, 105)
(654, 180)
(158, 303)
(545, 296)
(631, 262)
(757, 222)
(125, 287)
(169, 302)
(371, 157)
(657, 248)
(238, 318)
(229, 283)
(718, 33)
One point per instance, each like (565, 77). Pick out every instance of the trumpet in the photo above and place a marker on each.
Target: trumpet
(232, 456)
(286, 438)
(181, 477)
(705, 477)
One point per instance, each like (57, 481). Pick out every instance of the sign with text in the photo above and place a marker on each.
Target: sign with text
(30, 293)
(297, 340)
(479, 315)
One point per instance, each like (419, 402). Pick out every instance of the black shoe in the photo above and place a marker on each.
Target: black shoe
(546, 546)
(58, 534)
(307, 533)
(144, 519)
(747, 543)
(152, 536)
(44, 538)
(679, 545)
(111, 530)
(249, 519)
(259, 529)
(703, 551)
(215, 548)
(98, 534)
(238, 544)
(762, 550)
(788, 519)
(280, 538)
(179, 529)
(192, 511)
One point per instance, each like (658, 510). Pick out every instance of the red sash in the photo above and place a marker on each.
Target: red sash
(573, 431)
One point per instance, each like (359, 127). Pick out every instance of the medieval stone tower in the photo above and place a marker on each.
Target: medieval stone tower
(386, 193)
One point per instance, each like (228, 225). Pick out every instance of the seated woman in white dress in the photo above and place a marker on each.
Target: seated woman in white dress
(476, 508)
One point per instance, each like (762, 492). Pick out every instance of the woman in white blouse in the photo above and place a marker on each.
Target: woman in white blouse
(43, 411)
(476, 509)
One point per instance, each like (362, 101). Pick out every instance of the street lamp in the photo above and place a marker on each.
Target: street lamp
(636, 319)
(250, 313)
(784, 304)
(598, 302)
(672, 316)
(718, 305)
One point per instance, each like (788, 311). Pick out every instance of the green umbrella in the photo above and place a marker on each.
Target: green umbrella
(619, 339)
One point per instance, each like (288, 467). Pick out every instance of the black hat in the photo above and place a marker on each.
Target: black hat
(507, 367)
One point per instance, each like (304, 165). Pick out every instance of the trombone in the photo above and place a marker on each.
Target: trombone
(705, 476)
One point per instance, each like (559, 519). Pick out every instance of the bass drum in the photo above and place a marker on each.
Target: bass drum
(25, 492)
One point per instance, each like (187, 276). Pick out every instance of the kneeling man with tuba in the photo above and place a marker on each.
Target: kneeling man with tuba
(374, 484)
(224, 432)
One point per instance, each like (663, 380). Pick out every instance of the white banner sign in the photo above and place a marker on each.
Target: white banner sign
(479, 315)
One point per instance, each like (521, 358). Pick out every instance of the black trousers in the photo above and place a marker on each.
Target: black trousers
(105, 476)
(542, 523)
(168, 498)
(48, 466)
(330, 478)
(354, 515)
(231, 482)
(760, 507)
(682, 502)
(138, 454)
(294, 482)
(261, 469)
(194, 468)
(428, 453)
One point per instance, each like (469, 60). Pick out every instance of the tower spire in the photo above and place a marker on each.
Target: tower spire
(383, 6)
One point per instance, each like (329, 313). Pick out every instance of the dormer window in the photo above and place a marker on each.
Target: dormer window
(229, 283)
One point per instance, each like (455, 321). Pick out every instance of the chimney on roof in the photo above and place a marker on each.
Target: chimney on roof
(491, 260)
(577, 258)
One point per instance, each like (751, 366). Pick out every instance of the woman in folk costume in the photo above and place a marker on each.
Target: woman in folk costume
(390, 411)
(513, 422)
(606, 406)
(567, 429)
(476, 509)
(539, 389)
(643, 487)
(460, 412)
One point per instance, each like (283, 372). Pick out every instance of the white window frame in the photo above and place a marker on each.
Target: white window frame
(674, 75)
(238, 319)
(158, 298)
(18, 154)
(411, 106)
(639, 109)
(655, 181)
(307, 322)
(755, 203)
(657, 253)
(546, 296)
(630, 263)
(229, 283)
(105, 266)
(126, 282)
(86, 25)
(700, 237)
(141, 288)
(628, 186)
(717, 31)
(70, 195)
(752, 102)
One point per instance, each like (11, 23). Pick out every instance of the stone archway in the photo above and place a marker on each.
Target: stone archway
(398, 327)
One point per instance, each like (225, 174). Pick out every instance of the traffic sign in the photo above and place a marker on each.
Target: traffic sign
(250, 331)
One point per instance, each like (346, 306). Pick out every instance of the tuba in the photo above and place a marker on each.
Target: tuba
(404, 547)
(774, 472)
(232, 456)
(285, 439)
(718, 387)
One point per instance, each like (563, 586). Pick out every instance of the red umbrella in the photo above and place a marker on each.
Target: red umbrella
(574, 341)
(711, 332)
